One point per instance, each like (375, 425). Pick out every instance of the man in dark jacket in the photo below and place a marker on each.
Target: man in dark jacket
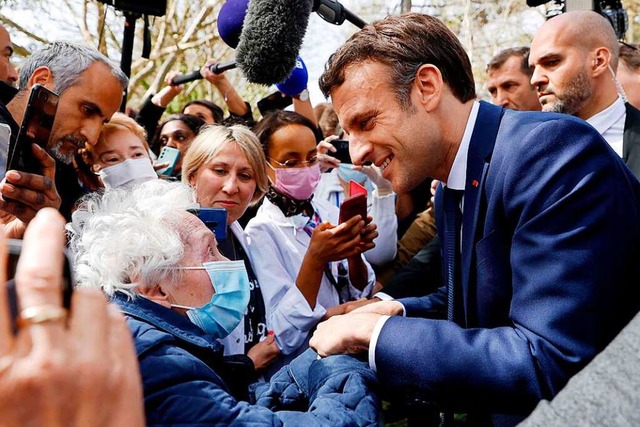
(90, 88)
(574, 57)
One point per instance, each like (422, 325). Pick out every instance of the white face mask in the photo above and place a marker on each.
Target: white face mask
(131, 171)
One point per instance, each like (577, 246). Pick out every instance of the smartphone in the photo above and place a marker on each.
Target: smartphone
(35, 129)
(352, 206)
(355, 188)
(68, 283)
(5, 137)
(342, 150)
(168, 155)
(275, 101)
(215, 219)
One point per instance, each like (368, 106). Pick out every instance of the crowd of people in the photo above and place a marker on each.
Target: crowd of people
(490, 280)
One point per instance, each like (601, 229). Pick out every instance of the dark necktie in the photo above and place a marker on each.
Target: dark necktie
(453, 223)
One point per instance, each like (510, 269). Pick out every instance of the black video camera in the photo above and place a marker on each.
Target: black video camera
(610, 9)
(142, 7)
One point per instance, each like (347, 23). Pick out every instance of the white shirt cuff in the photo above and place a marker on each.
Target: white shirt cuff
(383, 296)
(374, 340)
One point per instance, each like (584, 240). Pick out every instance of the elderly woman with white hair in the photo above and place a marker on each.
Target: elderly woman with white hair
(159, 263)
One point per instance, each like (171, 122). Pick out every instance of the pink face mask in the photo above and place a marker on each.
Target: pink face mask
(297, 183)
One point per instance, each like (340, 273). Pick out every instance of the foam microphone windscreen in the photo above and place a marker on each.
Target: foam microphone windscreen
(297, 80)
(271, 39)
(230, 21)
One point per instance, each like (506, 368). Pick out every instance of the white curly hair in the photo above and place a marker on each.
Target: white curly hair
(128, 237)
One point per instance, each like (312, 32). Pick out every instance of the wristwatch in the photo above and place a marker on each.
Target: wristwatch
(304, 95)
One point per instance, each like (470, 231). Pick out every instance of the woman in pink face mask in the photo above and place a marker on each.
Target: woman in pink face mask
(306, 261)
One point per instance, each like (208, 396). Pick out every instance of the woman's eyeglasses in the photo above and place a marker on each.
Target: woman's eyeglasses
(294, 163)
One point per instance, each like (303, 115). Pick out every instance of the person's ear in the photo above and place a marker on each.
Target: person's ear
(429, 85)
(601, 60)
(155, 293)
(42, 76)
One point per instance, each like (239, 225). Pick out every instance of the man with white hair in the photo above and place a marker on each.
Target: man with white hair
(574, 57)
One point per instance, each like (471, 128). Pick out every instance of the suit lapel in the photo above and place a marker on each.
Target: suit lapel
(481, 146)
(631, 139)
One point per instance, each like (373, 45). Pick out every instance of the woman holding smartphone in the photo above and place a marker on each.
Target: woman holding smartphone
(177, 131)
(226, 167)
(306, 261)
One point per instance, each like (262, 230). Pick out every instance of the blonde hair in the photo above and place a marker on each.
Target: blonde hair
(212, 139)
(119, 121)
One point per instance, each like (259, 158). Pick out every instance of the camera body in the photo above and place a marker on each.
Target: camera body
(610, 9)
(143, 7)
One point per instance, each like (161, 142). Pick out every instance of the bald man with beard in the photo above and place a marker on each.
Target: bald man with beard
(574, 57)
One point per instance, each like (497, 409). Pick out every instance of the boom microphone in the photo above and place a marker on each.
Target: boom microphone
(230, 20)
(271, 39)
(297, 80)
(218, 68)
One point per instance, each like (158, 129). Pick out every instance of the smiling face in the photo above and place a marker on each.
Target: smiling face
(226, 181)
(404, 143)
(82, 110)
(561, 71)
(118, 146)
(509, 86)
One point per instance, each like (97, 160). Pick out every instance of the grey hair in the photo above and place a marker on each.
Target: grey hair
(67, 61)
(130, 237)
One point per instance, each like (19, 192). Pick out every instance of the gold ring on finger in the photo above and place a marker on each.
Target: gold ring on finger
(41, 314)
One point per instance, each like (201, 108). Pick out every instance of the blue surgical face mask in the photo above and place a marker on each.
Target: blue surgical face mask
(220, 316)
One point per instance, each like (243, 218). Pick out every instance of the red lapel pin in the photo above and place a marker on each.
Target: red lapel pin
(474, 183)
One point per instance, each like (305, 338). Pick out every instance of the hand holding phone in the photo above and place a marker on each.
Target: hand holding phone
(35, 129)
(215, 219)
(342, 150)
(352, 206)
(168, 155)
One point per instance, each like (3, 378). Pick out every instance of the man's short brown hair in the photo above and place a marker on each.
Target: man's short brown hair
(404, 43)
(521, 52)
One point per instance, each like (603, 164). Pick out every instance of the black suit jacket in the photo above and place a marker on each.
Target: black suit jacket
(631, 140)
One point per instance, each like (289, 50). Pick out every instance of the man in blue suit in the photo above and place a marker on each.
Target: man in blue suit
(542, 273)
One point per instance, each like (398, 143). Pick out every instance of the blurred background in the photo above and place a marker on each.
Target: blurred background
(187, 35)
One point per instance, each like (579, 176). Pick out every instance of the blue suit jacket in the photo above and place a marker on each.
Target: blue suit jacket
(550, 263)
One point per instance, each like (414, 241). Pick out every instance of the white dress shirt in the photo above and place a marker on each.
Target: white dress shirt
(610, 124)
(456, 181)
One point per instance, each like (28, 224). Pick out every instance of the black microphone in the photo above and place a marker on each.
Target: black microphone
(534, 3)
(335, 13)
(218, 68)
(271, 39)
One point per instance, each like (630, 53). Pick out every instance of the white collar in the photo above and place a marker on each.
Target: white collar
(458, 174)
(606, 118)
